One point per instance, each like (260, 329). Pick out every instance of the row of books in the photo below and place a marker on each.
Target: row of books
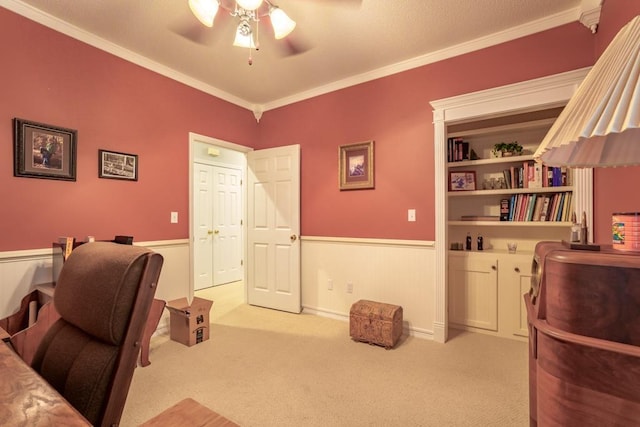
(536, 175)
(537, 207)
(457, 150)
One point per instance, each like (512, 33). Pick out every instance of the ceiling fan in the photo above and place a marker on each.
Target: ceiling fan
(245, 17)
(249, 14)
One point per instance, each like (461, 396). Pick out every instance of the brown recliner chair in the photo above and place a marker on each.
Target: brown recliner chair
(103, 296)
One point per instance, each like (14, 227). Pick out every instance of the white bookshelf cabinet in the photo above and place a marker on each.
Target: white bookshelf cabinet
(483, 290)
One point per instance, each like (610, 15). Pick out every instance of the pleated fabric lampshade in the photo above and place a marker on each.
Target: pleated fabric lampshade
(600, 126)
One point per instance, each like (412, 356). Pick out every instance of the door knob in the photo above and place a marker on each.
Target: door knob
(293, 237)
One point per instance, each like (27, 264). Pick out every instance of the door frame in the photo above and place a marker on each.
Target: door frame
(194, 139)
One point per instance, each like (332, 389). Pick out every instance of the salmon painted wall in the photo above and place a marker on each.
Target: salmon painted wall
(50, 78)
(614, 188)
(395, 112)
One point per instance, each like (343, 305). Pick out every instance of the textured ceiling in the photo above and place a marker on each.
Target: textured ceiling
(339, 42)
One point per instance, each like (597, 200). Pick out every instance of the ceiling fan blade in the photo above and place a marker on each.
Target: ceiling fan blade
(191, 29)
(293, 45)
(194, 31)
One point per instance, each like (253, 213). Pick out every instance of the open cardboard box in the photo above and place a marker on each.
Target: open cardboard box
(189, 323)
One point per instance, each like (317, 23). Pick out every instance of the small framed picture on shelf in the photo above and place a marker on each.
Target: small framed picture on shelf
(462, 181)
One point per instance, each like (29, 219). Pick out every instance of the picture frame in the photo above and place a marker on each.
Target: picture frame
(462, 181)
(43, 151)
(116, 165)
(356, 166)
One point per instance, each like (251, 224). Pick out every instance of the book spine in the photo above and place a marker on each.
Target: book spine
(504, 210)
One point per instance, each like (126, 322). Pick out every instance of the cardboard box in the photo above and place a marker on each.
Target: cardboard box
(189, 323)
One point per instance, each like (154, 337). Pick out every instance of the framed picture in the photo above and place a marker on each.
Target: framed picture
(356, 166)
(462, 181)
(114, 165)
(43, 151)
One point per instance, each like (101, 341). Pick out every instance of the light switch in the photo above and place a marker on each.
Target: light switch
(411, 215)
(174, 217)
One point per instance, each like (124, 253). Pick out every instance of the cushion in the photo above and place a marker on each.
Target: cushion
(97, 288)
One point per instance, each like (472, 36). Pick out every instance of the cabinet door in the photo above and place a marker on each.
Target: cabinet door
(473, 292)
(515, 281)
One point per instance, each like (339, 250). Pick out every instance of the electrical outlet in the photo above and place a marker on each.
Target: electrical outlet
(174, 217)
(349, 287)
(330, 284)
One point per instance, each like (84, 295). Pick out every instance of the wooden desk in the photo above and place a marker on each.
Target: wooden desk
(188, 412)
(27, 399)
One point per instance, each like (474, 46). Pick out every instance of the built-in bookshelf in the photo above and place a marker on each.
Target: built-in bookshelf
(481, 290)
(510, 198)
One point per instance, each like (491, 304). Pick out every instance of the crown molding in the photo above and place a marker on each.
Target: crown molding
(63, 27)
(530, 28)
(590, 14)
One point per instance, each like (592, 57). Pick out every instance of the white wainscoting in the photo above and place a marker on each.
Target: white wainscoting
(394, 271)
(20, 271)
(398, 272)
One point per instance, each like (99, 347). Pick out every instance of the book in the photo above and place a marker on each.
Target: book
(504, 210)
(479, 218)
(545, 208)
(558, 216)
(68, 246)
(530, 207)
(536, 176)
(537, 210)
(507, 177)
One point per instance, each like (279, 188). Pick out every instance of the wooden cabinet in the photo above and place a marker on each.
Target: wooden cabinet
(486, 292)
(473, 291)
(515, 279)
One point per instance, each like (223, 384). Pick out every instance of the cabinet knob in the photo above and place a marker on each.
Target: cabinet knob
(517, 269)
(493, 267)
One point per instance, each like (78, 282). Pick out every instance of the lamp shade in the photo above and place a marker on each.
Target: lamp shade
(249, 4)
(600, 125)
(204, 10)
(243, 40)
(281, 23)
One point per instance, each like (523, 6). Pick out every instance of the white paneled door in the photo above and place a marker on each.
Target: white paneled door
(217, 225)
(273, 228)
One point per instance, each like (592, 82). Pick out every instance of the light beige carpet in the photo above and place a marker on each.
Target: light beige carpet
(263, 367)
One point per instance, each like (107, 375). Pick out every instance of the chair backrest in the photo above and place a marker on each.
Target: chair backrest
(103, 296)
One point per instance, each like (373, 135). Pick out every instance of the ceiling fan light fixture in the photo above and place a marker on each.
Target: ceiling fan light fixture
(244, 38)
(249, 4)
(204, 10)
(282, 24)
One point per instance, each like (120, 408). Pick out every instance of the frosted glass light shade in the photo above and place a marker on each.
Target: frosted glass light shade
(600, 126)
(282, 24)
(249, 4)
(204, 10)
(244, 41)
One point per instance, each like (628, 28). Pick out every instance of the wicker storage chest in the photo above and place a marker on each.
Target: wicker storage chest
(375, 323)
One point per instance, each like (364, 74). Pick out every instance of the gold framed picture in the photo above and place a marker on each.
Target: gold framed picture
(356, 166)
